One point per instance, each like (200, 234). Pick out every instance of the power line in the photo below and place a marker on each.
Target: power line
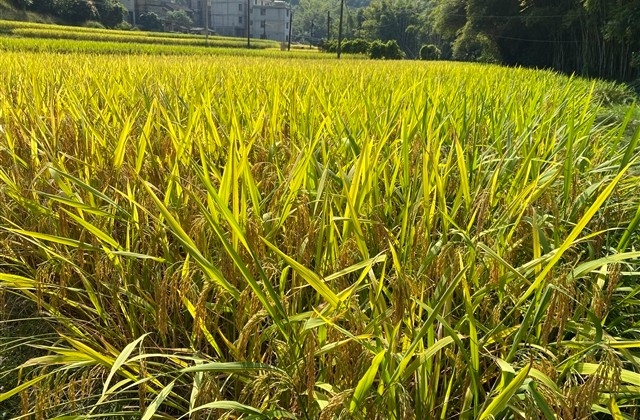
(518, 16)
(545, 41)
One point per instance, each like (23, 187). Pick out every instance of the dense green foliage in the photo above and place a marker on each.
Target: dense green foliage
(376, 50)
(589, 37)
(109, 13)
(150, 22)
(266, 238)
(430, 52)
(389, 50)
(178, 19)
(310, 19)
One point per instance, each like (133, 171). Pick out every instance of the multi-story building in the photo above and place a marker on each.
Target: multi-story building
(265, 19)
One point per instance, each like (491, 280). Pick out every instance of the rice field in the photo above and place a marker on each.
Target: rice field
(39, 31)
(257, 238)
(48, 38)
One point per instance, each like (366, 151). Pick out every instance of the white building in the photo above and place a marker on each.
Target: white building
(268, 19)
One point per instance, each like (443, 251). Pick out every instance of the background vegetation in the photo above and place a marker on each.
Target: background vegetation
(598, 38)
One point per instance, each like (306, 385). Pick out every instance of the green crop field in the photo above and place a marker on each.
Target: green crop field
(240, 237)
(48, 38)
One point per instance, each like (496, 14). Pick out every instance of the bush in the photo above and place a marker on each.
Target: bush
(376, 50)
(387, 51)
(329, 46)
(430, 52)
(356, 46)
(93, 24)
(124, 26)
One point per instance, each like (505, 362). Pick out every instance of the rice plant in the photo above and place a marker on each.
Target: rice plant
(233, 237)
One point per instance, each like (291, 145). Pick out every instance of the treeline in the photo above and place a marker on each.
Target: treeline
(589, 37)
(109, 13)
(377, 49)
(599, 38)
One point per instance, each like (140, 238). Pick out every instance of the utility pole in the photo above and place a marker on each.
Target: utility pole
(248, 25)
(206, 22)
(340, 28)
(328, 25)
(290, 24)
(311, 35)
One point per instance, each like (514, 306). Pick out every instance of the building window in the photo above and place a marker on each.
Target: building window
(263, 12)
(240, 7)
(286, 26)
(263, 23)
(240, 20)
(287, 12)
(250, 23)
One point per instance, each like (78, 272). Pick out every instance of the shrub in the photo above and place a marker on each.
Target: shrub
(329, 46)
(356, 46)
(377, 50)
(430, 52)
(93, 24)
(387, 51)
(124, 26)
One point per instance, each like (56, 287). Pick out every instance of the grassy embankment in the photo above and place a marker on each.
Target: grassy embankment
(390, 240)
(9, 12)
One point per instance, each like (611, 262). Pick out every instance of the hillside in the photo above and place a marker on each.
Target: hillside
(9, 12)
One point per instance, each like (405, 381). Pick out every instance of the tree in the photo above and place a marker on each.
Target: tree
(45, 7)
(395, 21)
(587, 37)
(429, 52)
(75, 12)
(111, 13)
(22, 4)
(149, 22)
(387, 51)
(179, 19)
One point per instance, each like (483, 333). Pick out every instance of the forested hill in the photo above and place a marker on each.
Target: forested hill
(598, 38)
